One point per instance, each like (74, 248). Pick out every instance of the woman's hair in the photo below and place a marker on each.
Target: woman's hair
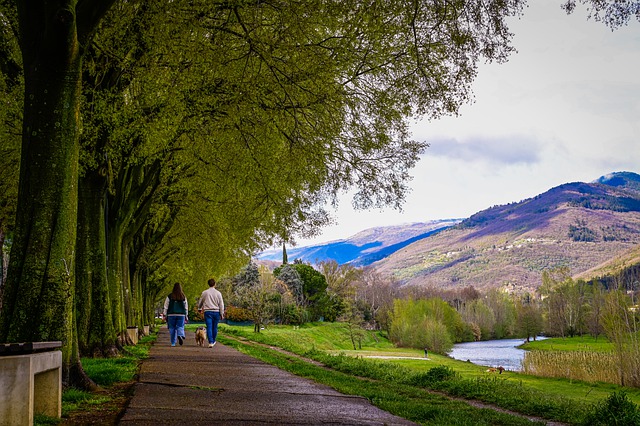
(177, 293)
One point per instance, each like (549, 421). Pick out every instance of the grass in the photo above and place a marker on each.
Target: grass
(559, 399)
(578, 358)
(321, 336)
(409, 402)
(403, 384)
(110, 374)
(576, 343)
(107, 371)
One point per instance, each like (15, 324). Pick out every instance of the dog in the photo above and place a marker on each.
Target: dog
(201, 335)
(493, 370)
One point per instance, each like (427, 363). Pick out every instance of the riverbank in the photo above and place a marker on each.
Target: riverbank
(402, 379)
(534, 394)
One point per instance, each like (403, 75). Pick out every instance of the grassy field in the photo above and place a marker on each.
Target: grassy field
(399, 380)
(576, 343)
(564, 399)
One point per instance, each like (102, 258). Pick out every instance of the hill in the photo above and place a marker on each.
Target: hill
(582, 226)
(364, 247)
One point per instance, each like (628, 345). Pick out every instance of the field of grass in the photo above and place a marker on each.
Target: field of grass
(402, 399)
(576, 343)
(576, 358)
(399, 380)
(563, 400)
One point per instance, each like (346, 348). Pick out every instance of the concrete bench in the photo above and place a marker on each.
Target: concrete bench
(30, 381)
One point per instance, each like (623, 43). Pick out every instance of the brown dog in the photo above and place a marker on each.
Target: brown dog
(201, 335)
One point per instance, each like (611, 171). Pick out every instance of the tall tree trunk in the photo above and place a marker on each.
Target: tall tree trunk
(114, 278)
(96, 333)
(129, 208)
(3, 264)
(39, 292)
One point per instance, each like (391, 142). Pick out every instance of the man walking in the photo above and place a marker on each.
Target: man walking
(213, 306)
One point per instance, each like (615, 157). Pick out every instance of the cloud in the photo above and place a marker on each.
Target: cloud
(499, 151)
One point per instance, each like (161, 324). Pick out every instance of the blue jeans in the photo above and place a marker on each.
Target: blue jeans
(212, 319)
(176, 327)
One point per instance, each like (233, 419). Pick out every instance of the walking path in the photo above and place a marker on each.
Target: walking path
(195, 386)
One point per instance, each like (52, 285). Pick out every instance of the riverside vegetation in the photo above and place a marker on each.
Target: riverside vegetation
(407, 380)
(399, 380)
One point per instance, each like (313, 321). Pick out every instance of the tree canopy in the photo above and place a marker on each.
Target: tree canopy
(209, 129)
(613, 14)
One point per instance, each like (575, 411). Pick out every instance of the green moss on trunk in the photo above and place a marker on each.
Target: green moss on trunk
(96, 333)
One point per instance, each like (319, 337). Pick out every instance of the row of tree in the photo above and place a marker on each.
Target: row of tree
(561, 307)
(145, 143)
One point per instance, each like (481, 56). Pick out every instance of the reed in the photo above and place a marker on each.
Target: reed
(587, 366)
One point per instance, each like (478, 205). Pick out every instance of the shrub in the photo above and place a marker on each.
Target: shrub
(291, 314)
(434, 375)
(429, 323)
(617, 409)
(236, 314)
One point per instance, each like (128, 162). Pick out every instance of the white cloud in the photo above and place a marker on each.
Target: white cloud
(496, 150)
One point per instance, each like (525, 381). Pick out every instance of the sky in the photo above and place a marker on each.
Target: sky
(564, 108)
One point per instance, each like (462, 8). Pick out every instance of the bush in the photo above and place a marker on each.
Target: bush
(233, 313)
(617, 409)
(434, 375)
(291, 314)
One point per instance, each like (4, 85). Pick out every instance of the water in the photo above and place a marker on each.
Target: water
(492, 353)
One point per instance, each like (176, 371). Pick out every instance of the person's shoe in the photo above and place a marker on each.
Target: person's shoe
(180, 339)
(211, 345)
(173, 345)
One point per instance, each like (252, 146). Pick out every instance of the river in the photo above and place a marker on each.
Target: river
(492, 353)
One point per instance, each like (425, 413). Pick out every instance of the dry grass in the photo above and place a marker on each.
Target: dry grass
(574, 365)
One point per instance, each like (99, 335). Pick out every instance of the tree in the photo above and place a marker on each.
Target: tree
(38, 296)
(341, 290)
(564, 301)
(352, 317)
(423, 324)
(301, 101)
(613, 14)
(314, 289)
(249, 276)
(596, 300)
(621, 328)
(290, 277)
(477, 312)
(10, 117)
(529, 318)
(375, 293)
(259, 296)
(504, 312)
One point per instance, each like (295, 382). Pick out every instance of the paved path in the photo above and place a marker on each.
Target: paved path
(195, 386)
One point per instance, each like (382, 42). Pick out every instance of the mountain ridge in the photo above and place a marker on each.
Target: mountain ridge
(591, 228)
(582, 226)
(364, 247)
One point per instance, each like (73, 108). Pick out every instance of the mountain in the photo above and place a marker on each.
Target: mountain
(364, 247)
(582, 226)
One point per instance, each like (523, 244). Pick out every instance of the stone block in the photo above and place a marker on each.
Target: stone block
(30, 384)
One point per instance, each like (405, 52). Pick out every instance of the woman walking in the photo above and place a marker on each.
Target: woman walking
(175, 312)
